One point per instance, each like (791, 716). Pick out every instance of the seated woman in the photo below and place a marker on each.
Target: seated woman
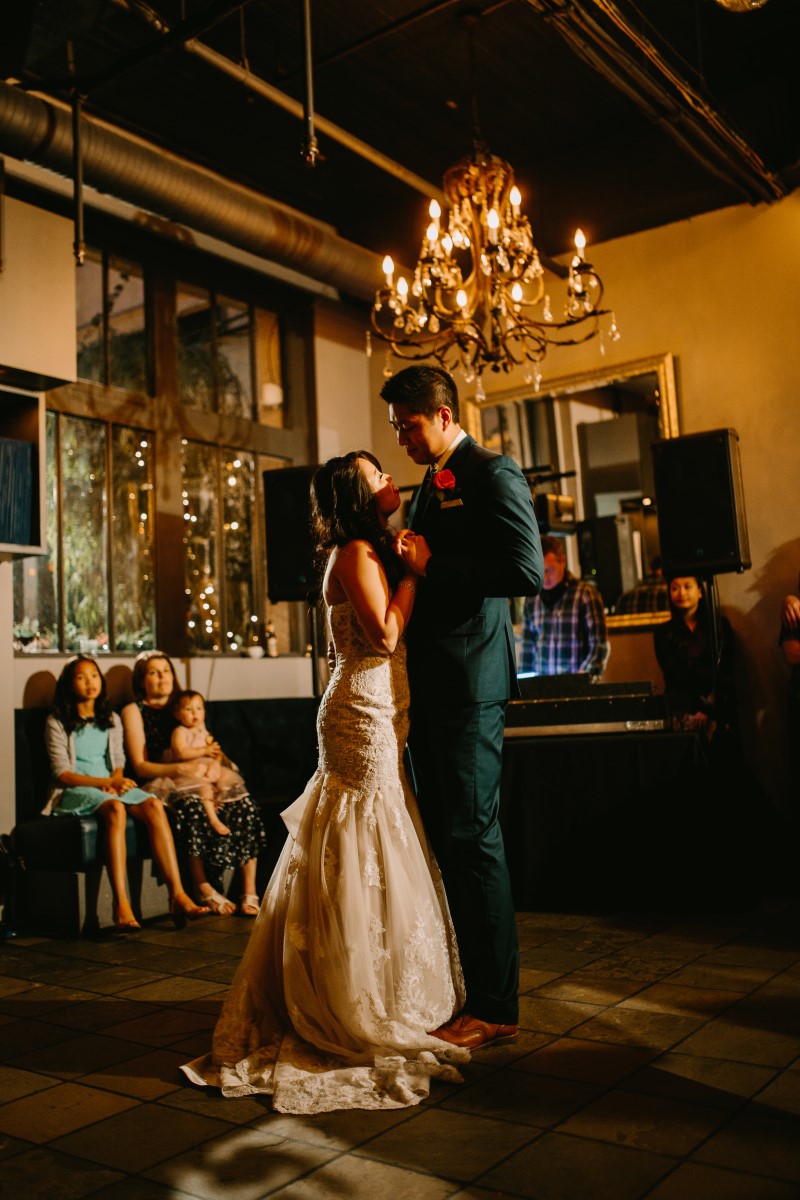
(84, 744)
(148, 723)
(699, 691)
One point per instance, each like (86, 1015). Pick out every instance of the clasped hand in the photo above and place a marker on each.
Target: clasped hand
(413, 550)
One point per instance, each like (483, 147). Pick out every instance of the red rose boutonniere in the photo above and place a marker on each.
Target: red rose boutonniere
(447, 493)
(444, 480)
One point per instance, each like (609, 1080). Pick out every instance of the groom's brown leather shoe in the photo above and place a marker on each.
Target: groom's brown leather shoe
(475, 1034)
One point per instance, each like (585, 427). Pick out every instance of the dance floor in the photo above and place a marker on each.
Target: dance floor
(659, 1057)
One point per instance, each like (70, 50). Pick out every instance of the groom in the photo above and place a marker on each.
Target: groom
(474, 545)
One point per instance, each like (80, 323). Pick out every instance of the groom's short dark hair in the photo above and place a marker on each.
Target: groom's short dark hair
(423, 389)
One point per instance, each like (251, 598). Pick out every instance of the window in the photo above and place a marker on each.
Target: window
(180, 404)
(215, 353)
(227, 351)
(112, 326)
(93, 591)
(219, 497)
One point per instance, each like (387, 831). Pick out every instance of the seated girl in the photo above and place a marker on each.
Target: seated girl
(85, 747)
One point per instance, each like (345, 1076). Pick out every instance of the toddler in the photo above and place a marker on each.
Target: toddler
(191, 742)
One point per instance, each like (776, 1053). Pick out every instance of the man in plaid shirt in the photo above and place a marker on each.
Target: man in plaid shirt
(563, 628)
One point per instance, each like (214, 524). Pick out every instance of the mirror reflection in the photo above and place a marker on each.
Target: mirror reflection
(584, 444)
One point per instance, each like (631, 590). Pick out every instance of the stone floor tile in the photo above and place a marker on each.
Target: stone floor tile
(162, 1026)
(59, 1110)
(553, 1016)
(118, 977)
(653, 1123)
(561, 1167)
(691, 1181)
(99, 1013)
(243, 1164)
(780, 1096)
(785, 984)
(11, 1146)
(760, 1145)
(172, 990)
(630, 1027)
(22, 1037)
(628, 965)
(452, 1145)
(554, 921)
(714, 1081)
(148, 1076)
(751, 954)
(136, 1187)
(218, 973)
(75, 1056)
(724, 1038)
(11, 987)
(212, 1005)
(721, 976)
(590, 990)
(530, 978)
(340, 1131)
(585, 1061)
(680, 1001)
(760, 1011)
(358, 1179)
(551, 958)
(15, 1083)
(509, 1052)
(42, 1001)
(209, 1102)
(521, 1097)
(42, 1174)
(141, 1137)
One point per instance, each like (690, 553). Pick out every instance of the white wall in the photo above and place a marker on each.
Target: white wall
(344, 412)
(719, 292)
(37, 291)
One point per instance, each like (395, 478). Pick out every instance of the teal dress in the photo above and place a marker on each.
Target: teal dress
(91, 758)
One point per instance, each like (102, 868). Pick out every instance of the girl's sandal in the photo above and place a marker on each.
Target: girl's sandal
(218, 904)
(249, 906)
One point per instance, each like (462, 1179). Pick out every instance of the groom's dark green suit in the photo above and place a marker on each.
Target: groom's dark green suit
(485, 548)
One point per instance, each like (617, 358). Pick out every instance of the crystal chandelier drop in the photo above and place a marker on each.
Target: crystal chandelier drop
(478, 296)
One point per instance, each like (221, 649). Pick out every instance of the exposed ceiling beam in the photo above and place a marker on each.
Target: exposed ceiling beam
(600, 33)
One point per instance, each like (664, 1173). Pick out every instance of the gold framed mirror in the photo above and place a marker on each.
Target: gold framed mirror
(584, 441)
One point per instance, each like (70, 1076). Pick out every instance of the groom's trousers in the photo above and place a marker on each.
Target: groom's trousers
(456, 756)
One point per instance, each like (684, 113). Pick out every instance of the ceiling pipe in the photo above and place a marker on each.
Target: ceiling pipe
(661, 92)
(154, 179)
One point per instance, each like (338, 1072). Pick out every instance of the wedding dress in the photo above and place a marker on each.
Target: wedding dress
(352, 959)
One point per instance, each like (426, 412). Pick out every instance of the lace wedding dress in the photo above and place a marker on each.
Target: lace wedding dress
(352, 958)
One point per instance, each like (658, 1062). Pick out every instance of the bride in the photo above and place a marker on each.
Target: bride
(352, 960)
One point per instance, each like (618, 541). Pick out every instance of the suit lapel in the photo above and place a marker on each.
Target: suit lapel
(420, 502)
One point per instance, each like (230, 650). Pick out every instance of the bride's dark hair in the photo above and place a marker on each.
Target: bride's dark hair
(343, 508)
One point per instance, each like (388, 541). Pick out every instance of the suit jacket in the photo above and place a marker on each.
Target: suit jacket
(485, 548)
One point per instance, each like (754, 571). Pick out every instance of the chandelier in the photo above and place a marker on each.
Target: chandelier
(478, 296)
(741, 5)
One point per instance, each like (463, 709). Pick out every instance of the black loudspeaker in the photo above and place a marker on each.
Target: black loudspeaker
(702, 529)
(287, 511)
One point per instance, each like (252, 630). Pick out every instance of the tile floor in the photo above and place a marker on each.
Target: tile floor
(659, 1056)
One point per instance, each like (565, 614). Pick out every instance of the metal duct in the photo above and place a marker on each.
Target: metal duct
(172, 187)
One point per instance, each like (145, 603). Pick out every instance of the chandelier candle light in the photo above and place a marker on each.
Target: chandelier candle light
(477, 297)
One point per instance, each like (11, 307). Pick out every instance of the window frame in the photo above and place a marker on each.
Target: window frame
(159, 414)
